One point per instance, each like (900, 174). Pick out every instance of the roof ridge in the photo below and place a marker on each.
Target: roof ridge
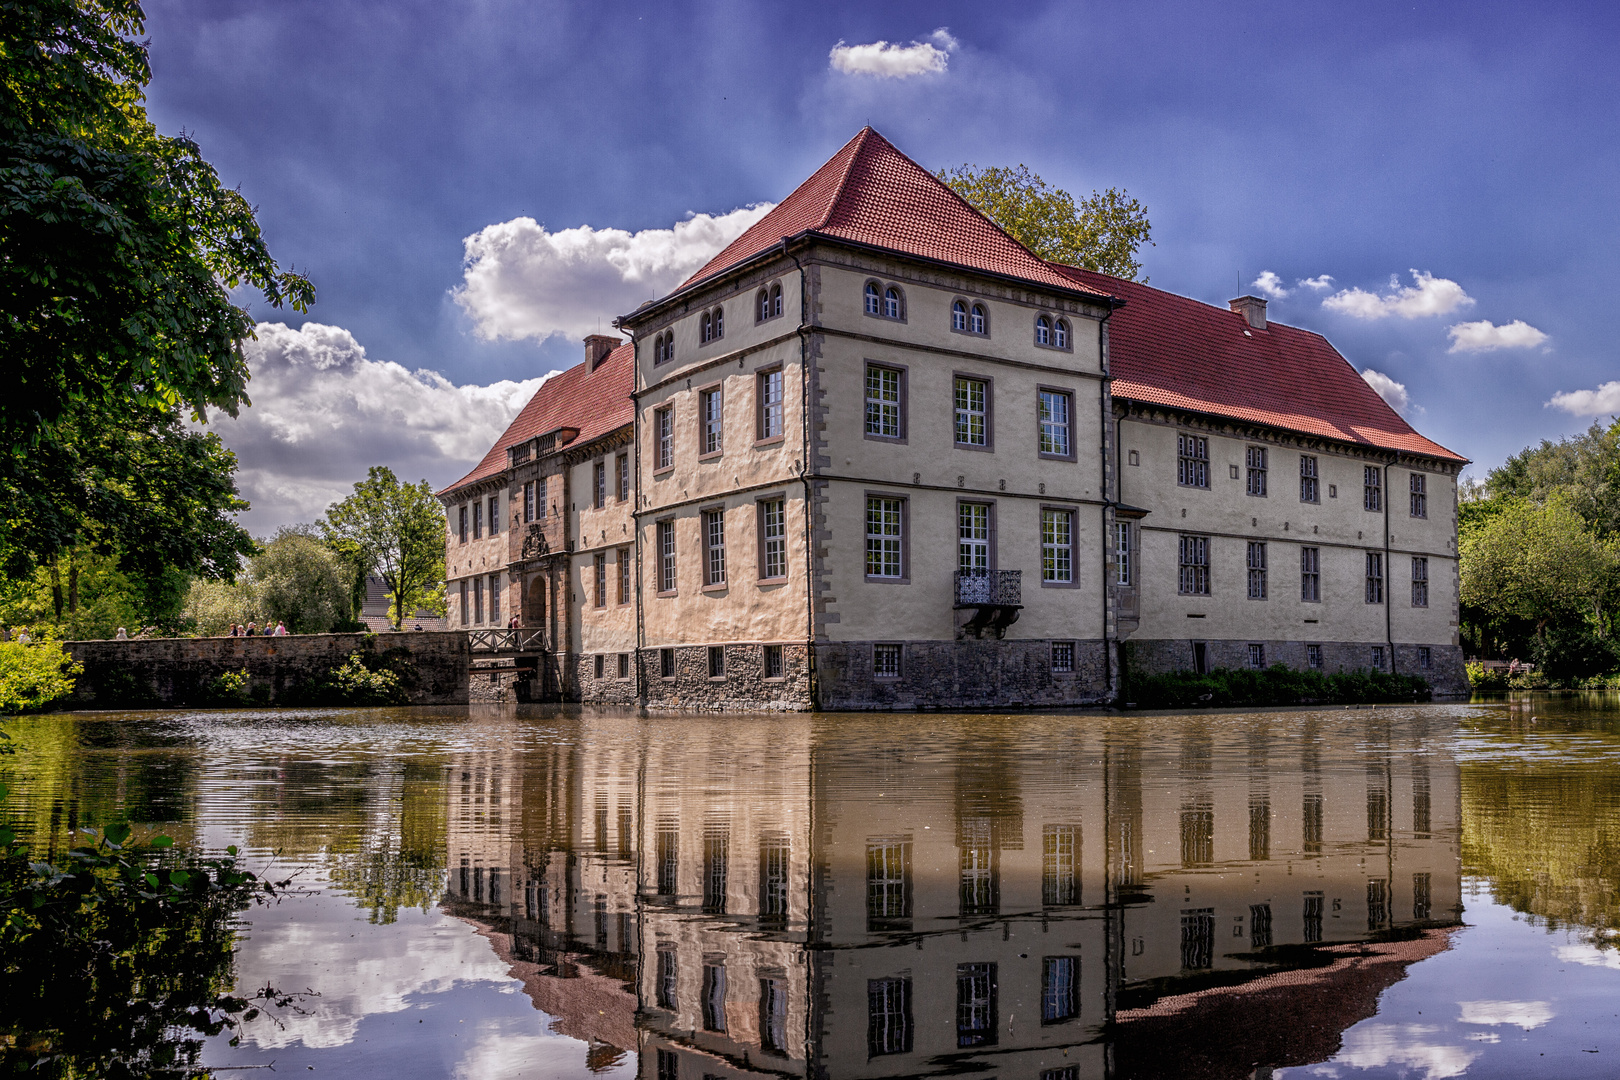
(863, 137)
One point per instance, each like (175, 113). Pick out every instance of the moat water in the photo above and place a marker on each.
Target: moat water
(1427, 891)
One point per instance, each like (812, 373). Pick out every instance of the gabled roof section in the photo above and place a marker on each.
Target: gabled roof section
(1181, 353)
(596, 402)
(871, 193)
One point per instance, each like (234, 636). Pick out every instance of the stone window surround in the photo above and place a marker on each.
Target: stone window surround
(956, 526)
(905, 537)
(901, 672)
(661, 470)
(905, 402)
(1074, 447)
(883, 289)
(989, 381)
(970, 304)
(718, 389)
(1073, 510)
(770, 291)
(1052, 320)
(658, 554)
(703, 513)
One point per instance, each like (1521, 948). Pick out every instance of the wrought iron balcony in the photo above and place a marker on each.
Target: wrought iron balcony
(1001, 587)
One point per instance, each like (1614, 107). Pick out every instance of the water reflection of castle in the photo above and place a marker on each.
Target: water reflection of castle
(903, 897)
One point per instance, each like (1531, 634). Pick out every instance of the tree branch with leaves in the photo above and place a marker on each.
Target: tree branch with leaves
(398, 530)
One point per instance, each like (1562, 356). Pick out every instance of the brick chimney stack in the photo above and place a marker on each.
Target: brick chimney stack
(1251, 308)
(597, 347)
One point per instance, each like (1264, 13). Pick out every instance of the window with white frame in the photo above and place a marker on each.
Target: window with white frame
(664, 429)
(599, 485)
(1257, 570)
(776, 300)
(623, 560)
(884, 524)
(494, 514)
(540, 498)
(1055, 409)
(1193, 555)
(666, 556)
(714, 547)
(1255, 459)
(1313, 657)
(1419, 495)
(495, 598)
(959, 316)
(1310, 575)
(972, 402)
(599, 578)
(773, 538)
(1378, 658)
(1043, 330)
(622, 467)
(882, 401)
(1192, 461)
(528, 500)
(1420, 582)
(1372, 488)
(1060, 334)
(978, 320)
(1122, 553)
(1257, 656)
(709, 408)
(1375, 577)
(769, 386)
(1057, 546)
(874, 301)
(762, 310)
(891, 303)
(973, 538)
(1310, 489)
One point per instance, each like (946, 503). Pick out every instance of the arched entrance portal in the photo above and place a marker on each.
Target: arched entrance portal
(534, 603)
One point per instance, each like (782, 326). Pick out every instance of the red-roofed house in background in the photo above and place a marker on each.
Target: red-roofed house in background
(877, 454)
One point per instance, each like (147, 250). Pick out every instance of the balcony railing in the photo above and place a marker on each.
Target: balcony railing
(506, 641)
(999, 587)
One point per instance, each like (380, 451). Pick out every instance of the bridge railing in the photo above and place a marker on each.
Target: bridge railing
(506, 641)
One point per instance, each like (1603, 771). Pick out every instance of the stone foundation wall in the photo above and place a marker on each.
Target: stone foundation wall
(1157, 656)
(962, 675)
(177, 671)
(610, 689)
(744, 687)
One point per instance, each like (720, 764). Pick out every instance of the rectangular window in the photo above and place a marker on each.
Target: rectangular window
(714, 997)
(1197, 835)
(1060, 865)
(477, 509)
(667, 849)
(1420, 582)
(979, 890)
(709, 408)
(1192, 461)
(624, 665)
(1060, 989)
(773, 661)
(1375, 578)
(666, 663)
(1419, 495)
(1378, 657)
(1372, 488)
(461, 526)
(1257, 570)
(973, 538)
(1194, 557)
(883, 538)
(972, 412)
(599, 577)
(883, 402)
(1197, 938)
(1063, 657)
(1055, 409)
(769, 388)
(621, 469)
(1311, 822)
(1310, 575)
(975, 1005)
(599, 485)
(1057, 546)
(888, 884)
(717, 661)
(465, 620)
(886, 661)
(773, 538)
(1377, 904)
(478, 601)
(668, 981)
(1257, 656)
(1310, 489)
(666, 556)
(773, 1016)
(1256, 459)
(623, 558)
(664, 428)
(1425, 657)
(716, 867)
(714, 547)
(888, 1017)
(601, 664)
(528, 500)
(1259, 926)
(494, 514)
(774, 865)
(495, 599)
(1313, 657)
(1259, 827)
(1122, 553)
(1313, 917)
(540, 499)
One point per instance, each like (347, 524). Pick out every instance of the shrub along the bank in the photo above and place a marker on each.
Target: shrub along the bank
(1276, 685)
(358, 681)
(35, 675)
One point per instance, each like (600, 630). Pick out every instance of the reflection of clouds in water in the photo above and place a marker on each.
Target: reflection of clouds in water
(504, 1052)
(1525, 1014)
(354, 980)
(1378, 1046)
(1589, 955)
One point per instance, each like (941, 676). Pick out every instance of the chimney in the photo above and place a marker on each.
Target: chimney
(1251, 308)
(597, 346)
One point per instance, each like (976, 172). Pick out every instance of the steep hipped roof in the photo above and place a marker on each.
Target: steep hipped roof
(871, 193)
(595, 402)
(1169, 350)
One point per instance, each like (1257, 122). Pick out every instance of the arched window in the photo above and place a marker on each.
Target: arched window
(959, 318)
(1060, 334)
(658, 349)
(719, 322)
(762, 310)
(669, 346)
(1043, 331)
(871, 298)
(706, 328)
(976, 323)
(891, 303)
(776, 300)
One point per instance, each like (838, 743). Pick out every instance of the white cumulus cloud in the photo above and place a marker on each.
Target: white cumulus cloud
(1406, 1047)
(1393, 393)
(521, 280)
(1524, 1014)
(1602, 401)
(1271, 285)
(1483, 337)
(893, 61)
(1427, 295)
(1320, 283)
(323, 412)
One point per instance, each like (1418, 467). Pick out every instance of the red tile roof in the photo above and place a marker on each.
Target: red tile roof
(1169, 350)
(595, 402)
(871, 193)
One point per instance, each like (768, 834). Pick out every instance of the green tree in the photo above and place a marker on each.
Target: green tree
(399, 530)
(1102, 233)
(1585, 468)
(300, 581)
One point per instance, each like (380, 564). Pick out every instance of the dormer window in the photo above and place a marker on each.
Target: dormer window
(871, 298)
(1043, 331)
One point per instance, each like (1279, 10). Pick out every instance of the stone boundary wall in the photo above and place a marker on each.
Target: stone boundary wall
(1158, 656)
(962, 675)
(177, 671)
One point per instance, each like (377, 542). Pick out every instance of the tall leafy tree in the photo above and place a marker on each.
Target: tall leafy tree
(399, 531)
(1101, 233)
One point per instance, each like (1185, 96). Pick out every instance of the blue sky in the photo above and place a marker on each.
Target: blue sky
(1473, 143)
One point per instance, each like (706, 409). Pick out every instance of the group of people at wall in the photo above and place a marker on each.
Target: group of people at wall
(250, 630)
